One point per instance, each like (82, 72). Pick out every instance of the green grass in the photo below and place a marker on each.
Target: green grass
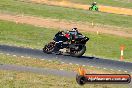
(10, 79)
(25, 35)
(13, 79)
(54, 64)
(115, 3)
(108, 46)
(65, 13)
(101, 45)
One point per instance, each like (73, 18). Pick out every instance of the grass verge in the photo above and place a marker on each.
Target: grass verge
(26, 79)
(102, 45)
(66, 13)
(115, 3)
(54, 64)
(13, 79)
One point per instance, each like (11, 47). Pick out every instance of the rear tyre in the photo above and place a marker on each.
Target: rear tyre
(90, 8)
(49, 48)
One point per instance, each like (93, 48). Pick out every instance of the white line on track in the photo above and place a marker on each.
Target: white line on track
(1, 53)
(62, 62)
(104, 68)
(83, 65)
(98, 67)
(111, 69)
(42, 59)
(14, 55)
(61, 69)
(49, 60)
(28, 57)
(8, 54)
(70, 63)
(125, 71)
(91, 66)
(77, 64)
(22, 56)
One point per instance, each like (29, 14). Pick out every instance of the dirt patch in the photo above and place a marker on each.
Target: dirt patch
(65, 3)
(61, 24)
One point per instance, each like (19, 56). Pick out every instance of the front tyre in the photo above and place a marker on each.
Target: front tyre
(49, 48)
(78, 53)
(97, 9)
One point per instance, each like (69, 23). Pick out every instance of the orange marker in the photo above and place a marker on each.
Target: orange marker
(82, 71)
(97, 32)
(122, 52)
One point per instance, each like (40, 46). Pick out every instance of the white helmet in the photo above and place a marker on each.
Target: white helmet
(94, 2)
(74, 29)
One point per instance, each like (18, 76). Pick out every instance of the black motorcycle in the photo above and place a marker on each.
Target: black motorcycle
(75, 47)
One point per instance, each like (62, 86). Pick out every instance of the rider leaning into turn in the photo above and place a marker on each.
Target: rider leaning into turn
(72, 35)
(94, 7)
(69, 35)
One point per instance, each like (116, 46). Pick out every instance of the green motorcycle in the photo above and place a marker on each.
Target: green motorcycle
(94, 8)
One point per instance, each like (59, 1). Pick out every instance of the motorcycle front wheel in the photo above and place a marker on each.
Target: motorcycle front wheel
(78, 53)
(49, 48)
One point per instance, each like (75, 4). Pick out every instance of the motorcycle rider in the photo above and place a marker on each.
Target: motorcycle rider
(75, 34)
(65, 36)
(94, 7)
(59, 41)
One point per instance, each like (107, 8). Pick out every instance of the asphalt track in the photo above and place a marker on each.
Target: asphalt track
(84, 60)
(43, 71)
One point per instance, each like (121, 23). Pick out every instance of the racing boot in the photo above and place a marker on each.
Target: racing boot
(57, 48)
